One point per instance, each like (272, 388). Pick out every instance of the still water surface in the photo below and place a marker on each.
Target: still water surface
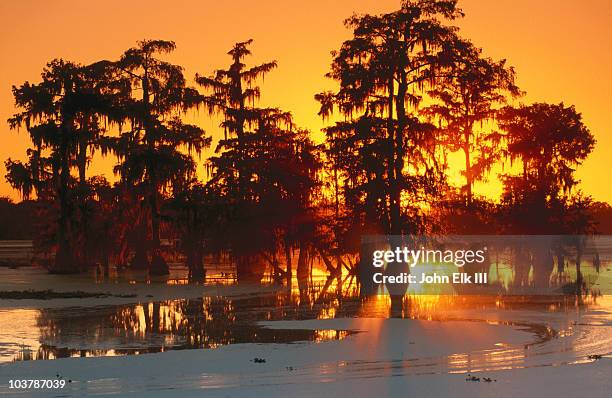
(562, 330)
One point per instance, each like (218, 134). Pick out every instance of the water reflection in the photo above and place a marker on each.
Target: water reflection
(211, 322)
(174, 324)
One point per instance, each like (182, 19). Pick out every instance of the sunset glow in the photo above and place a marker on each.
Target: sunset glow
(561, 52)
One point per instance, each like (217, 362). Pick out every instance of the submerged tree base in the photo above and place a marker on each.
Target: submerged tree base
(197, 273)
(64, 264)
(140, 261)
(248, 269)
(159, 265)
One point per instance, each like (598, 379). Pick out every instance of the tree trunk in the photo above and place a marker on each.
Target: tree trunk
(82, 198)
(398, 154)
(106, 263)
(289, 271)
(394, 189)
(302, 274)
(579, 278)
(302, 265)
(247, 269)
(64, 258)
(521, 267)
(543, 265)
(468, 170)
(159, 266)
(195, 262)
(140, 260)
(158, 263)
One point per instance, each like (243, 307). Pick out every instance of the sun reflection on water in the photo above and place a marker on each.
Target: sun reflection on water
(211, 322)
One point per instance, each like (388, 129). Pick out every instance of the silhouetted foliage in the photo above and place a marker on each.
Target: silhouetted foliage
(265, 168)
(464, 101)
(17, 220)
(155, 151)
(56, 114)
(410, 90)
(549, 141)
(601, 213)
(385, 156)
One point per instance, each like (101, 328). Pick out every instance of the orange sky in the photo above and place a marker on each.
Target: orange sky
(562, 51)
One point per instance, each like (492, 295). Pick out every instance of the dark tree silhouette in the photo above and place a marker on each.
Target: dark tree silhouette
(99, 100)
(466, 99)
(549, 141)
(383, 71)
(156, 150)
(57, 114)
(233, 95)
(265, 169)
(196, 214)
(266, 195)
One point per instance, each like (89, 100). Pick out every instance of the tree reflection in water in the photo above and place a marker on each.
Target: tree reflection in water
(181, 324)
(211, 322)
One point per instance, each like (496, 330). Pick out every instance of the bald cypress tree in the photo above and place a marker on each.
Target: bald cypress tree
(547, 142)
(232, 93)
(155, 150)
(382, 72)
(60, 115)
(264, 170)
(465, 101)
